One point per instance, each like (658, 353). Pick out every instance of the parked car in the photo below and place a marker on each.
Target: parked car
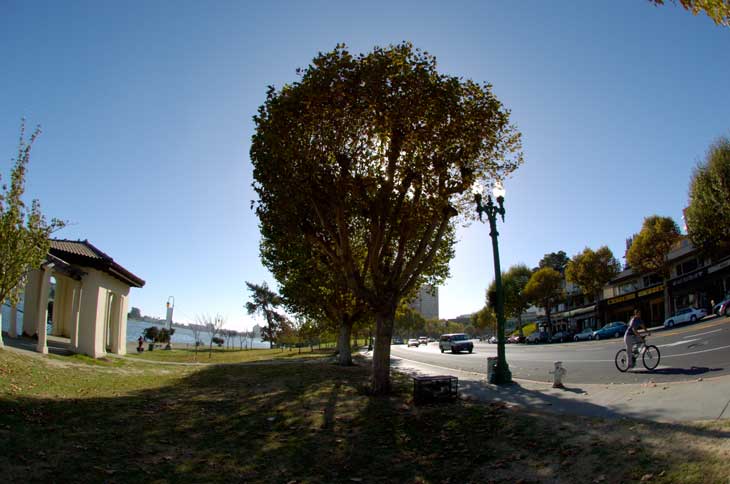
(423, 340)
(397, 340)
(492, 340)
(455, 342)
(615, 329)
(561, 337)
(516, 338)
(586, 334)
(413, 342)
(722, 308)
(689, 314)
(431, 340)
(538, 337)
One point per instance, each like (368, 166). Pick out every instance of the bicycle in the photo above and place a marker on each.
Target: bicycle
(650, 356)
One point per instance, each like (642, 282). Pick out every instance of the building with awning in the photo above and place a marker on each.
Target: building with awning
(88, 292)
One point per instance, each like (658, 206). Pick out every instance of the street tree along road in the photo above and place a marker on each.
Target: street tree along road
(701, 350)
(369, 160)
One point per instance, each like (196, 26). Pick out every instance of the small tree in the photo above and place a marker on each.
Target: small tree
(649, 250)
(545, 289)
(213, 326)
(513, 285)
(243, 337)
(591, 270)
(709, 200)
(24, 231)
(264, 301)
(135, 313)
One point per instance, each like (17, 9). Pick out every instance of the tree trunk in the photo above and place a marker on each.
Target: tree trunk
(271, 332)
(381, 353)
(344, 357)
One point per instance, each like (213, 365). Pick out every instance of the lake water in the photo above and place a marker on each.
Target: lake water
(181, 335)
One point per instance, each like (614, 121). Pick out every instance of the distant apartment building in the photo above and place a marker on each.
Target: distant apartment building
(256, 331)
(427, 302)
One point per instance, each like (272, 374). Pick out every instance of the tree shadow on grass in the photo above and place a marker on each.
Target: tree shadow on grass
(304, 423)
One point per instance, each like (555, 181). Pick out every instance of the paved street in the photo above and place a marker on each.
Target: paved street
(690, 352)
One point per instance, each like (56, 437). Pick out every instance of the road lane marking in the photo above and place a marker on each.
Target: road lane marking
(697, 352)
(678, 343)
(707, 332)
(689, 329)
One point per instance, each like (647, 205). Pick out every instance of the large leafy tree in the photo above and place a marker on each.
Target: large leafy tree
(650, 247)
(371, 158)
(408, 321)
(591, 270)
(516, 302)
(545, 289)
(709, 200)
(24, 231)
(264, 301)
(557, 260)
(485, 319)
(717, 10)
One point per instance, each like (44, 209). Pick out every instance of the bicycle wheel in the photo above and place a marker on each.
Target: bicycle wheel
(622, 361)
(651, 357)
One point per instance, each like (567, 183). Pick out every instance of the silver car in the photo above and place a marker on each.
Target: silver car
(586, 334)
(685, 315)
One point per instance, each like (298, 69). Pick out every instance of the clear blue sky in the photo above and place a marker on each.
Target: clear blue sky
(146, 110)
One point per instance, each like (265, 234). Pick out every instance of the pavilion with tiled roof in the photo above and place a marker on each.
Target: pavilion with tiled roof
(90, 299)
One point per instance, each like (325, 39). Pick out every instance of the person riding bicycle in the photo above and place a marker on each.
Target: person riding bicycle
(633, 337)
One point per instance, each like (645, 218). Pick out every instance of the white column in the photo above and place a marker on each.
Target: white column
(122, 327)
(114, 323)
(30, 317)
(42, 313)
(75, 309)
(2, 345)
(13, 330)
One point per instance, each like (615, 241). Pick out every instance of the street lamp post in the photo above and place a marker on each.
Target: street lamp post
(502, 375)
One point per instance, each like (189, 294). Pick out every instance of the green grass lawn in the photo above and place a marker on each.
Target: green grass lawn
(73, 420)
(222, 355)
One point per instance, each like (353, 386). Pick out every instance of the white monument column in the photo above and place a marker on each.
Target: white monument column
(42, 313)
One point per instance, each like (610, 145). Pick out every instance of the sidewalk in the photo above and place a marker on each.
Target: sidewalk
(704, 399)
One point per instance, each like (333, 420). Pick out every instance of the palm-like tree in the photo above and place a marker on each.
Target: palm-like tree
(264, 301)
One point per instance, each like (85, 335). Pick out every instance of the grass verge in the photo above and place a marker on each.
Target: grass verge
(221, 355)
(313, 422)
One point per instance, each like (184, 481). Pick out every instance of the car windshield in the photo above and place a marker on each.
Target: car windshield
(458, 337)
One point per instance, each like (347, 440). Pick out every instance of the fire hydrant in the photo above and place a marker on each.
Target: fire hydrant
(558, 374)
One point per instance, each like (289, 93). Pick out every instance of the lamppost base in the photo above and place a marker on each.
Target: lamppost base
(501, 376)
